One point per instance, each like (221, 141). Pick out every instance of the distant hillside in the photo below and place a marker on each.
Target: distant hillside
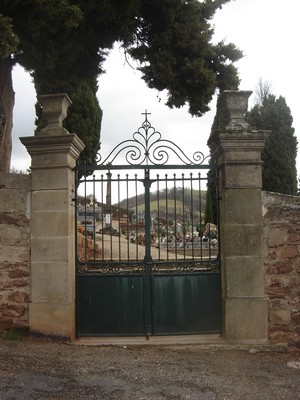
(168, 198)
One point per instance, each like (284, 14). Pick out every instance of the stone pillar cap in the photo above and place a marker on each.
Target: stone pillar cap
(54, 107)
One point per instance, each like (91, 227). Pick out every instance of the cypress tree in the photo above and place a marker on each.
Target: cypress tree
(85, 118)
(208, 217)
(64, 43)
(211, 206)
(279, 172)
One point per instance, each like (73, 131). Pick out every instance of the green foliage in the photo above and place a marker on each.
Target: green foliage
(222, 116)
(279, 154)
(211, 208)
(14, 334)
(64, 43)
(8, 40)
(162, 206)
(84, 117)
(173, 45)
(45, 30)
(208, 208)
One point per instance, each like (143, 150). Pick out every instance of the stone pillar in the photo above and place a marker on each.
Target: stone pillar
(237, 149)
(54, 152)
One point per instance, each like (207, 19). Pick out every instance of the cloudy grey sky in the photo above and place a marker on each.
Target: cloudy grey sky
(265, 30)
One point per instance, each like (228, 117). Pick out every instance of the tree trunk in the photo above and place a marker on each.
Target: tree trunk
(7, 101)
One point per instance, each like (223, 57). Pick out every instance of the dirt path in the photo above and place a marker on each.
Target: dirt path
(33, 369)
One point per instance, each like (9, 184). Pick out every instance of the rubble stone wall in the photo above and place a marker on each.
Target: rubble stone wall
(282, 266)
(14, 250)
(281, 252)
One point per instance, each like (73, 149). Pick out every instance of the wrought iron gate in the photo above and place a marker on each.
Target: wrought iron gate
(145, 262)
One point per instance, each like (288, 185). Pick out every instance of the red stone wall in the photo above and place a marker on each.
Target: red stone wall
(14, 250)
(282, 266)
(86, 249)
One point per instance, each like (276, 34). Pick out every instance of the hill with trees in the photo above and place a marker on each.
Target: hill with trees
(168, 201)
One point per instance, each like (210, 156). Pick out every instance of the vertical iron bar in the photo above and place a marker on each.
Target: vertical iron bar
(148, 259)
(147, 184)
(183, 215)
(94, 217)
(218, 213)
(200, 215)
(209, 241)
(76, 215)
(192, 217)
(102, 219)
(119, 218)
(128, 222)
(158, 216)
(136, 222)
(175, 216)
(85, 234)
(109, 181)
(167, 215)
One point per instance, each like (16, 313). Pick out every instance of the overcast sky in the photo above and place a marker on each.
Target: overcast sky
(266, 32)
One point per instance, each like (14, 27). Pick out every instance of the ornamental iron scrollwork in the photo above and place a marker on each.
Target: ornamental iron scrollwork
(186, 267)
(110, 268)
(147, 147)
(214, 266)
(116, 268)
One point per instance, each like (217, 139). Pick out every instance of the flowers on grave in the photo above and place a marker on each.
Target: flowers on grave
(214, 242)
(211, 231)
(80, 228)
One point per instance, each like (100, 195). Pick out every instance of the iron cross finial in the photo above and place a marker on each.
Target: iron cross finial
(146, 113)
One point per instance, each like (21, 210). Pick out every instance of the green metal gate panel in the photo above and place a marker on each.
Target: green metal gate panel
(145, 262)
(110, 305)
(186, 304)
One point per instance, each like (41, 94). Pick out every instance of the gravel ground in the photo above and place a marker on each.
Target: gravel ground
(43, 369)
(118, 247)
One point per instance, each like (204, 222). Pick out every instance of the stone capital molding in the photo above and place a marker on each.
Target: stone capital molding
(67, 144)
